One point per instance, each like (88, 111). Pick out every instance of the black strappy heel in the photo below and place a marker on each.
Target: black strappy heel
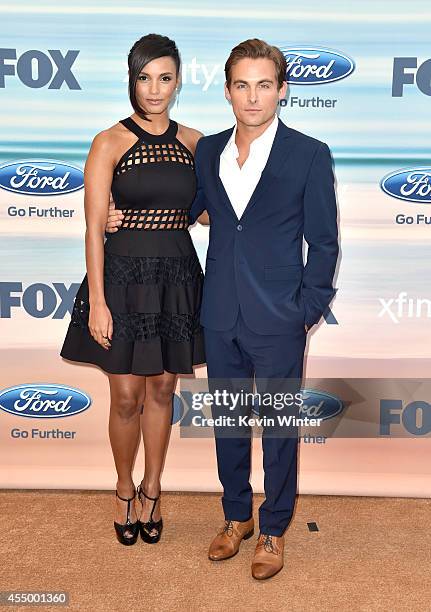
(133, 528)
(150, 525)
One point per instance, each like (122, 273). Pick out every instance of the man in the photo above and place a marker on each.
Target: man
(265, 187)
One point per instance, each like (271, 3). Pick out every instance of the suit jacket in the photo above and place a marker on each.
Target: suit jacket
(256, 262)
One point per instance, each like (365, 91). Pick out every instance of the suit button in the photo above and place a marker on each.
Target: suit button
(239, 228)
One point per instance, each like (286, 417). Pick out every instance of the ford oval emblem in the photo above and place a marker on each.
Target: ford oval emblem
(43, 401)
(309, 66)
(41, 177)
(410, 184)
(319, 405)
(316, 405)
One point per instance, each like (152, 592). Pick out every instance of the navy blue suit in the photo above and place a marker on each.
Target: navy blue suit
(258, 295)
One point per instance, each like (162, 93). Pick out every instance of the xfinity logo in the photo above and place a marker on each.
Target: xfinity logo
(37, 69)
(309, 66)
(401, 306)
(193, 73)
(41, 177)
(38, 300)
(411, 184)
(407, 72)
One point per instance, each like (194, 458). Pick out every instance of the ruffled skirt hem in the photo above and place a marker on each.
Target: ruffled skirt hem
(142, 358)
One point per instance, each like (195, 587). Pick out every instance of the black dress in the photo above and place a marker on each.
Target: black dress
(152, 276)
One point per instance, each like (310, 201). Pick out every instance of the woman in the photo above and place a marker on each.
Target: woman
(136, 313)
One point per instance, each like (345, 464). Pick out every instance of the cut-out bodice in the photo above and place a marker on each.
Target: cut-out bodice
(154, 183)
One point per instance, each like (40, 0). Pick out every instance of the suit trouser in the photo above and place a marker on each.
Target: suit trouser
(236, 355)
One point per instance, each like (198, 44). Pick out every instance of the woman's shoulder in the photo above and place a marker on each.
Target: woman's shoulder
(189, 136)
(107, 141)
(110, 134)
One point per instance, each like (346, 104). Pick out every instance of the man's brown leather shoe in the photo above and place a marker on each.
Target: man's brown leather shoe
(227, 541)
(268, 557)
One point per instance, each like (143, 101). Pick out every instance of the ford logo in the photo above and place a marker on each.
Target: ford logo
(411, 184)
(319, 405)
(309, 66)
(316, 405)
(43, 401)
(41, 177)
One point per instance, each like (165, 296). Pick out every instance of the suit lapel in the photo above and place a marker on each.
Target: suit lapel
(281, 148)
(278, 154)
(221, 191)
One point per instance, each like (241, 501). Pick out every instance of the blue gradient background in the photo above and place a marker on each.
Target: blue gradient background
(369, 132)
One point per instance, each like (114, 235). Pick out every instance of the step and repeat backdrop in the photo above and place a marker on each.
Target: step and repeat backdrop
(360, 80)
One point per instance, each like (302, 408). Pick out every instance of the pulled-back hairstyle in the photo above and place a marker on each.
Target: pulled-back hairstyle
(144, 50)
(254, 49)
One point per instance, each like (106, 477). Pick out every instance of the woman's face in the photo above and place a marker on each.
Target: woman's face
(156, 85)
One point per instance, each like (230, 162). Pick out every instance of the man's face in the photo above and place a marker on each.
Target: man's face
(253, 91)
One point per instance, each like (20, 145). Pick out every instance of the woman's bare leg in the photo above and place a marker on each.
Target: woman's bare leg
(127, 397)
(156, 428)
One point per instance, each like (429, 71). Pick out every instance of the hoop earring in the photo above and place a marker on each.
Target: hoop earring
(177, 95)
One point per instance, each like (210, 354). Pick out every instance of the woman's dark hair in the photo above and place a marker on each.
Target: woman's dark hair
(146, 49)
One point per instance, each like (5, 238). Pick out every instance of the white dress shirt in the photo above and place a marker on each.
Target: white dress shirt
(240, 183)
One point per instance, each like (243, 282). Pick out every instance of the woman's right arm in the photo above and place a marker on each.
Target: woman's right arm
(98, 174)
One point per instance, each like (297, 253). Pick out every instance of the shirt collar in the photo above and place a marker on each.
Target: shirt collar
(260, 143)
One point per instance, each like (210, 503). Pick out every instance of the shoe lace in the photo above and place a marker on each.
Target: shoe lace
(228, 528)
(268, 544)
